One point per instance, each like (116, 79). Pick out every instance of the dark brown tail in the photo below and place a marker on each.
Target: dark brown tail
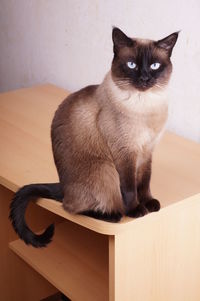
(18, 208)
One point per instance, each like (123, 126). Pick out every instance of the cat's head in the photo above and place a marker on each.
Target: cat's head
(141, 64)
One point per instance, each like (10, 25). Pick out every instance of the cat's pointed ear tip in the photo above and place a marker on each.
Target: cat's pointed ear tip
(115, 29)
(177, 32)
(175, 35)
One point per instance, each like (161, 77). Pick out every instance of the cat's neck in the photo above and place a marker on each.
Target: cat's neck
(132, 99)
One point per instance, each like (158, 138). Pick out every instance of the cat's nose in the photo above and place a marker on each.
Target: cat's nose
(144, 78)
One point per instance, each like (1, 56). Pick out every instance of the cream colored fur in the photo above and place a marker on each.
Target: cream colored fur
(146, 114)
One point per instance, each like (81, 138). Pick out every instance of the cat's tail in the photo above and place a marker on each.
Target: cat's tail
(18, 208)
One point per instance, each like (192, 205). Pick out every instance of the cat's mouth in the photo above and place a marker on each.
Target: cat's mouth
(144, 87)
(140, 86)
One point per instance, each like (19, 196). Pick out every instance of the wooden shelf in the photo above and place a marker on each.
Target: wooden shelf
(76, 262)
(151, 258)
(103, 227)
(25, 121)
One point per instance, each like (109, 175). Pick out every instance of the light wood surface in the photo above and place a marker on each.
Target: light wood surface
(18, 281)
(25, 119)
(76, 262)
(26, 156)
(112, 268)
(158, 259)
(154, 258)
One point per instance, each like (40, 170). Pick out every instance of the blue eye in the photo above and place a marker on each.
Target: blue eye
(155, 66)
(131, 65)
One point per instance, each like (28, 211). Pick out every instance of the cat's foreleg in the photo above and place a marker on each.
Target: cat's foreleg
(143, 188)
(128, 182)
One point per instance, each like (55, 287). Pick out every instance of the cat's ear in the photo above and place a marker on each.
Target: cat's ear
(168, 43)
(120, 39)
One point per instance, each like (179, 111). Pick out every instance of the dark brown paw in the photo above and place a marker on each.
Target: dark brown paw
(153, 205)
(139, 211)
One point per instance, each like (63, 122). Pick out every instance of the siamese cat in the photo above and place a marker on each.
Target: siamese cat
(103, 137)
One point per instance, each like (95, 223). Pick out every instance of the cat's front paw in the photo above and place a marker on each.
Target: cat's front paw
(152, 205)
(138, 211)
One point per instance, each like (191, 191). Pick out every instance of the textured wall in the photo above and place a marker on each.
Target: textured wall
(68, 43)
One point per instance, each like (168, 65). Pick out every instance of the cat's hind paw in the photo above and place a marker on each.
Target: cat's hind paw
(108, 217)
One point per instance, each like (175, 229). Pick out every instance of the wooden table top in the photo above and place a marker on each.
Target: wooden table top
(26, 156)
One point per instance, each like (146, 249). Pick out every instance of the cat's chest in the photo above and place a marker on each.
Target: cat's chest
(141, 132)
(134, 124)
(142, 125)
(137, 132)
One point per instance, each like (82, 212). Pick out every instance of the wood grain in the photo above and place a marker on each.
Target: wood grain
(76, 262)
(25, 119)
(18, 281)
(158, 258)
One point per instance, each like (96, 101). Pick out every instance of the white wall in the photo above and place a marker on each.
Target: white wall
(68, 43)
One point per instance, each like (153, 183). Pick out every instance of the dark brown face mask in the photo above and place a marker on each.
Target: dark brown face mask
(141, 64)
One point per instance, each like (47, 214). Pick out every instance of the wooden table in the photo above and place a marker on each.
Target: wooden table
(154, 258)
